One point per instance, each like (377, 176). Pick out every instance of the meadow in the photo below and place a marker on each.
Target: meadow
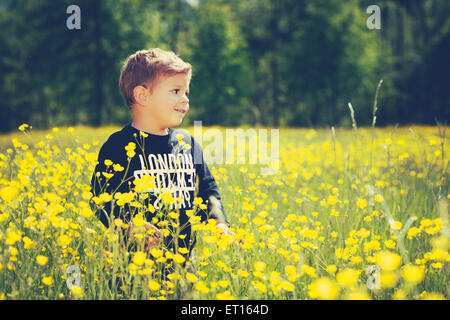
(356, 213)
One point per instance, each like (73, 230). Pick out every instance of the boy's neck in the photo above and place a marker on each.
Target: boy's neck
(142, 127)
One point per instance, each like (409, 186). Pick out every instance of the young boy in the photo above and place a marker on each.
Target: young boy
(155, 86)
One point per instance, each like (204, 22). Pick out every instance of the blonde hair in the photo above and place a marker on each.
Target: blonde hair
(145, 67)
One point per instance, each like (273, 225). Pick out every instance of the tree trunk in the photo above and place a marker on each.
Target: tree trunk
(173, 41)
(98, 67)
(274, 68)
(275, 89)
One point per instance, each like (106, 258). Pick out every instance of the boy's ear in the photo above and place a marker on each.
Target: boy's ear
(141, 95)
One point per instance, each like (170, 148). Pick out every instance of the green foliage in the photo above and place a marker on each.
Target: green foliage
(273, 63)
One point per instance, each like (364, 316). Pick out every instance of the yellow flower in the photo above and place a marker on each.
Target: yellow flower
(139, 258)
(28, 243)
(223, 283)
(167, 197)
(154, 285)
(64, 240)
(348, 277)
(191, 277)
(139, 220)
(107, 175)
(388, 261)
(389, 244)
(77, 291)
(355, 260)
(286, 285)
(9, 193)
(358, 295)
(260, 286)
(118, 168)
(290, 269)
(156, 253)
(23, 127)
(202, 287)
(178, 258)
(371, 245)
(226, 295)
(310, 271)
(102, 198)
(173, 215)
(395, 225)
(13, 251)
(331, 268)
(436, 265)
(145, 183)
(332, 199)
(259, 266)
(400, 294)
(243, 273)
(363, 233)
(85, 209)
(378, 198)
(361, 203)
(247, 206)
(413, 274)
(41, 260)
(388, 141)
(388, 279)
(202, 274)
(323, 289)
(412, 232)
(433, 296)
(334, 213)
(48, 281)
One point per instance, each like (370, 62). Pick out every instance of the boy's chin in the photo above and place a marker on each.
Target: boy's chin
(174, 124)
(178, 122)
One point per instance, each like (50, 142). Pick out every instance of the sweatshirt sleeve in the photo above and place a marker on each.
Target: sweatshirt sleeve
(101, 184)
(207, 186)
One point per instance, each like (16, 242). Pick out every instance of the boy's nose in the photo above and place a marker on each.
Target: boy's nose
(184, 99)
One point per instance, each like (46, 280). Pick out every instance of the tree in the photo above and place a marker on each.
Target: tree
(220, 83)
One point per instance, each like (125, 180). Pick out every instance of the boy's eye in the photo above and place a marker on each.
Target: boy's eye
(177, 91)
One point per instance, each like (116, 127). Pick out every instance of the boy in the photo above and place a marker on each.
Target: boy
(155, 86)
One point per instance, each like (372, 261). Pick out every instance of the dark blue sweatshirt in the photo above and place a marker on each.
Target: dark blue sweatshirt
(177, 165)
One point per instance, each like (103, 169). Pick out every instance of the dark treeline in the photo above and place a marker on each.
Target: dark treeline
(256, 62)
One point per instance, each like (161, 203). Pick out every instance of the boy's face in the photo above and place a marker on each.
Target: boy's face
(168, 101)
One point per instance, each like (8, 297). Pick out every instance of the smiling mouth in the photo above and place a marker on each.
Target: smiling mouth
(183, 111)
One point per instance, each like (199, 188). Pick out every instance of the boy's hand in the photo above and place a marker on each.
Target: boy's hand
(223, 227)
(151, 240)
